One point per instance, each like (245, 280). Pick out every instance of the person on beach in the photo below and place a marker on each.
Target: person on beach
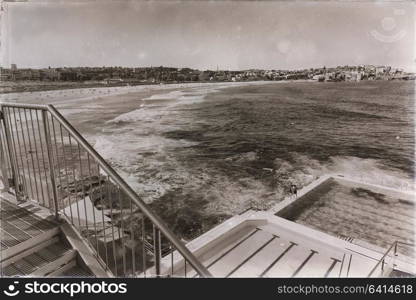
(294, 190)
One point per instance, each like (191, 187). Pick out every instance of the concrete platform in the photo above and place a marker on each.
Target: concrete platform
(260, 244)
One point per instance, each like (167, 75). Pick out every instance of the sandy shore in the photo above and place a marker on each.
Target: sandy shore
(98, 92)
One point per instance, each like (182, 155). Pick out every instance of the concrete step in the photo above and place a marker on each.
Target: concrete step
(232, 259)
(264, 253)
(262, 259)
(214, 255)
(290, 263)
(321, 263)
(272, 228)
(273, 250)
(317, 266)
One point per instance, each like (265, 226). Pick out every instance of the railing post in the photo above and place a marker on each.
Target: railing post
(349, 266)
(3, 172)
(3, 164)
(393, 247)
(382, 267)
(157, 249)
(342, 266)
(12, 155)
(50, 161)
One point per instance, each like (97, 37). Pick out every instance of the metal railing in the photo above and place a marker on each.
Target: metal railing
(45, 159)
(344, 270)
(381, 263)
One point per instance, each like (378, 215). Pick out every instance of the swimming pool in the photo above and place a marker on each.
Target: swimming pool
(357, 212)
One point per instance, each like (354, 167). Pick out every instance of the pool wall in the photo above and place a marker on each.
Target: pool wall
(291, 207)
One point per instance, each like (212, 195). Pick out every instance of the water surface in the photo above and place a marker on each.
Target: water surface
(201, 154)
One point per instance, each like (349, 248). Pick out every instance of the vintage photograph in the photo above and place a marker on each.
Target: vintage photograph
(199, 139)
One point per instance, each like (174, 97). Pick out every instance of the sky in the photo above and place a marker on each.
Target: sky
(230, 35)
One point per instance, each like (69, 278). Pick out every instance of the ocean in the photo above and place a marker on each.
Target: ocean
(199, 154)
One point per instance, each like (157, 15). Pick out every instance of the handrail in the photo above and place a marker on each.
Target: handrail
(124, 187)
(129, 191)
(381, 260)
(25, 105)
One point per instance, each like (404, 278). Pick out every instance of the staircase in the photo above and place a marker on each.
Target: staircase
(32, 246)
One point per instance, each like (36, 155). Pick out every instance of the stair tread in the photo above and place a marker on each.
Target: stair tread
(27, 265)
(27, 227)
(11, 211)
(36, 260)
(7, 240)
(15, 232)
(32, 245)
(19, 225)
(76, 271)
(10, 271)
(24, 266)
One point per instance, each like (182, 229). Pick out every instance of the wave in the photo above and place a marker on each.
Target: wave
(365, 169)
(233, 196)
(151, 111)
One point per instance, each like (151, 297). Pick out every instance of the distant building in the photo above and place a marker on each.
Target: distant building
(52, 74)
(118, 75)
(205, 76)
(355, 76)
(318, 77)
(5, 74)
(380, 71)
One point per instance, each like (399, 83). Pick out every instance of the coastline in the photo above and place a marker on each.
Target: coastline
(119, 90)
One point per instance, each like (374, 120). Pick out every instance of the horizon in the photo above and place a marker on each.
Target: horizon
(209, 35)
(202, 70)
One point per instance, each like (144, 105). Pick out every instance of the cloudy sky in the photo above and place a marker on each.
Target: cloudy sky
(204, 34)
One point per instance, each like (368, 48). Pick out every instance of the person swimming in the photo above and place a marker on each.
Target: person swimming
(294, 190)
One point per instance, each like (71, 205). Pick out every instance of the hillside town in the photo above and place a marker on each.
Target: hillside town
(154, 75)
